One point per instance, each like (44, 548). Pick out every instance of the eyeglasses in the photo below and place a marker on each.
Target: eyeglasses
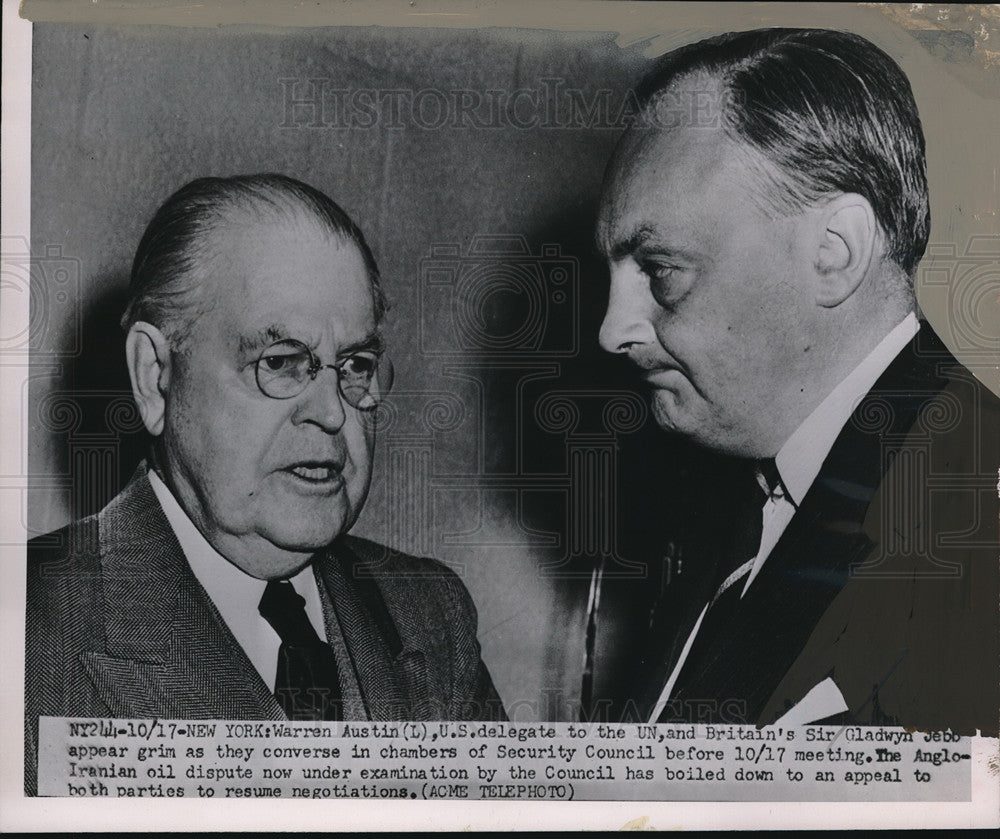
(285, 368)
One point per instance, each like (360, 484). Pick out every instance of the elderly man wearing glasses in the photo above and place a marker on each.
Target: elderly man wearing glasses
(220, 583)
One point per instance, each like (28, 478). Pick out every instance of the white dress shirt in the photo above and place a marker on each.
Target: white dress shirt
(799, 461)
(234, 592)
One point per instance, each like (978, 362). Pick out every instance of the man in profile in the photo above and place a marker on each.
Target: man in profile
(763, 221)
(220, 583)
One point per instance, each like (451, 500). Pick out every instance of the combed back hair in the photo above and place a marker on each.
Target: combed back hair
(165, 282)
(829, 110)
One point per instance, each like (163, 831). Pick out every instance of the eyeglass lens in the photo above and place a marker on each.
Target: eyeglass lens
(285, 368)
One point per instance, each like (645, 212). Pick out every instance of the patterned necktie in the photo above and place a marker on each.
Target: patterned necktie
(306, 685)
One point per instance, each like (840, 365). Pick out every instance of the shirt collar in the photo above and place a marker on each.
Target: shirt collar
(234, 592)
(802, 455)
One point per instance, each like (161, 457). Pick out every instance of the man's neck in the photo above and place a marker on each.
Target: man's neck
(841, 345)
(800, 457)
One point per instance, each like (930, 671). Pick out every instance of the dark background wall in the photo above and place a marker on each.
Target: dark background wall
(472, 160)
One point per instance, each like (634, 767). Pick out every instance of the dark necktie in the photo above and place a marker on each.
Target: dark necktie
(747, 526)
(306, 685)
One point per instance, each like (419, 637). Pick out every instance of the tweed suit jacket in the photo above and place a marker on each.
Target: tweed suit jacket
(886, 580)
(119, 626)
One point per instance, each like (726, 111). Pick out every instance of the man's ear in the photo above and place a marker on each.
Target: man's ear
(147, 354)
(847, 243)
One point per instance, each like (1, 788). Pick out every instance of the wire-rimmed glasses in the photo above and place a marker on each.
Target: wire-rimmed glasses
(285, 368)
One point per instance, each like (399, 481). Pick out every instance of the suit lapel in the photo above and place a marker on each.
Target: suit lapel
(808, 567)
(812, 561)
(850, 479)
(390, 680)
(709, 561)
(875, 436)
(168, 651)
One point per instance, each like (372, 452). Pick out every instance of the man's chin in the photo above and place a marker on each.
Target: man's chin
(305, 540)
(667, 411)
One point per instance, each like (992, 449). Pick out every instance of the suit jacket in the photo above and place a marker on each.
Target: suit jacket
(886, 580)
(119, 626)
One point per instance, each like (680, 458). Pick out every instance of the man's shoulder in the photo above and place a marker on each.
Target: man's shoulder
(130, 524)
(71, 548)
(926, 391)
(82, 538)
(952, 403)
(928, 365)
(64, 604)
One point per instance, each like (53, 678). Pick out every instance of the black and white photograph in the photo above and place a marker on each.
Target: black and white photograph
(491, 408)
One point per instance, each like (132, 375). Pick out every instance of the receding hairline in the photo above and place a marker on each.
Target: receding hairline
(786, 88)
(252, 213)
(771, 178)
(218, 204)
(275, 204)
(243, 219)
(631, 157)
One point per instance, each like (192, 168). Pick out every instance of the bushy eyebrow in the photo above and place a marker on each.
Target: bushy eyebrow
(262, 338)
(641, 242)
(638, 238)
(373, 342)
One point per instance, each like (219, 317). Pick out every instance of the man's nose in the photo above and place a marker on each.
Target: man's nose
(321, 403)
(627, 321)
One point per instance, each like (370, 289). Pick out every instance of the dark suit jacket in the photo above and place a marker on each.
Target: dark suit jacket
(118, 626)
(886, 580)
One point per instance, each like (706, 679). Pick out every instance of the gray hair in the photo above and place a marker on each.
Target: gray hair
(831, 111)
(163, 286)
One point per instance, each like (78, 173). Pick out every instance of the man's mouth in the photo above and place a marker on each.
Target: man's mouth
(650, 367)
(661, 376)
(316, 472)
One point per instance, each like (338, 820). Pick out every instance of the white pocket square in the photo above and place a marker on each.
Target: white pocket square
(824, 700)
